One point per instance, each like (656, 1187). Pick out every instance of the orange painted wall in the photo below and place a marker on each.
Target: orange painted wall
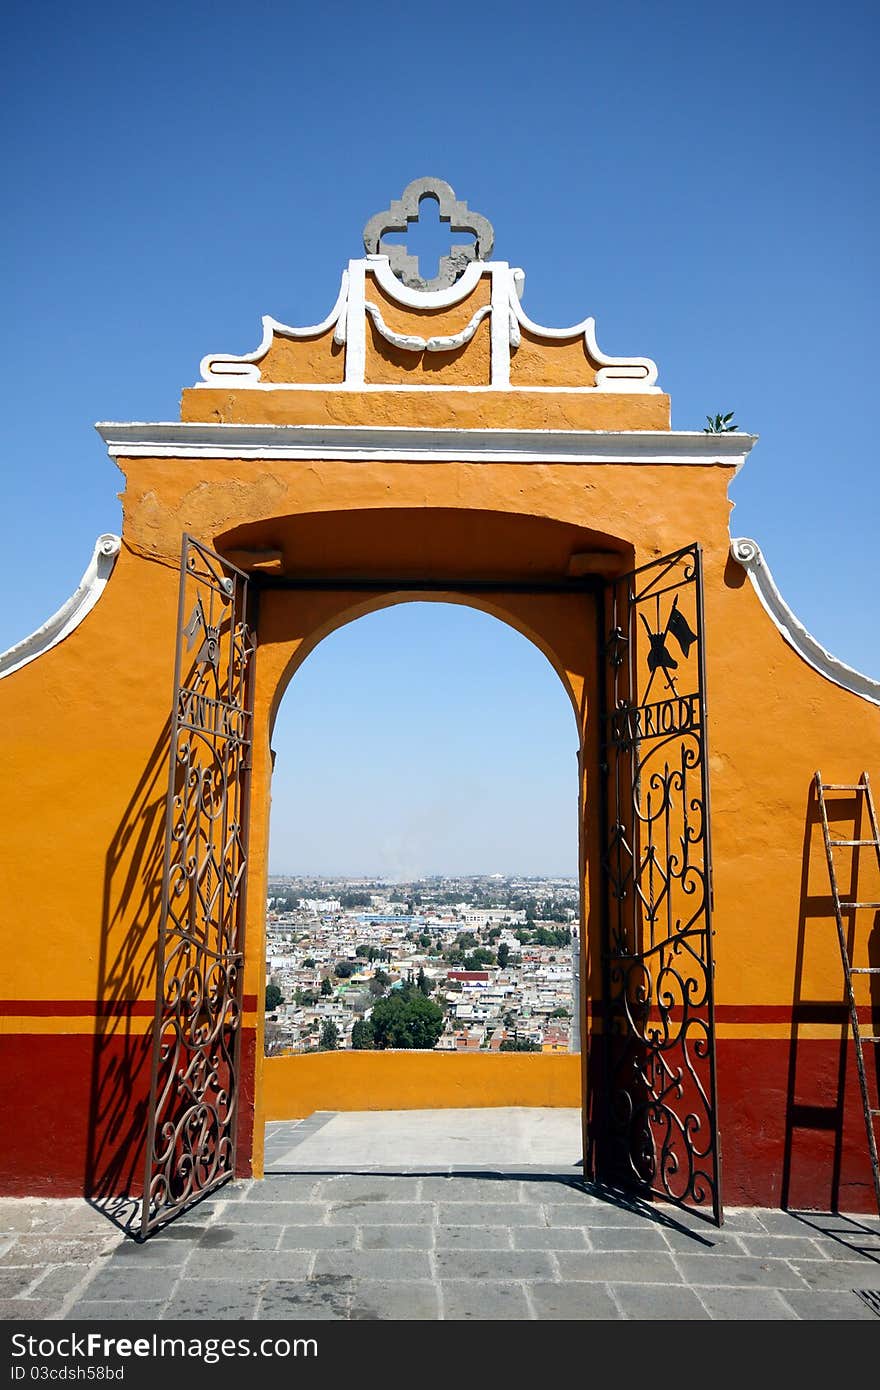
(297, 1086)
(82, 801)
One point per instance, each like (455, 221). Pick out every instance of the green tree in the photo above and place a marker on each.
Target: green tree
(329, 1037)
(422, 982)
(424, 941)
(309, 963)
(376, 988)
(383, 977)
(326, 987)
(362, 951)
(355, 899)
(479, 959)
(406, 1020)
(519, 1045)
(343, 970)
(362, 1036)
(274, 997)
(503, 954)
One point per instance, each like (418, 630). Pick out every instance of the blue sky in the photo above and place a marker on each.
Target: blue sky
(701, 179)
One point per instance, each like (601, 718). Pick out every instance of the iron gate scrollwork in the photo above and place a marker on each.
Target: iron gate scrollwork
(661, 1132)
(193, 1114)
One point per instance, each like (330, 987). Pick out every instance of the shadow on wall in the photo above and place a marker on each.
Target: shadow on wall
(120, 1082)
(825, 1141)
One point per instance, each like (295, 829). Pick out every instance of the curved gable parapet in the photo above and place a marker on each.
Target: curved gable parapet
(71, 613)
(748, 553)
(419, 333)
(225, 368)
(614, 373)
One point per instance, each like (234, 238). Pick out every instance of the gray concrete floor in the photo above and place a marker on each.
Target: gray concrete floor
(434, 1215)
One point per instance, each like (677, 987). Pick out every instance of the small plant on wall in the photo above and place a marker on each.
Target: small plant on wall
(720, 424)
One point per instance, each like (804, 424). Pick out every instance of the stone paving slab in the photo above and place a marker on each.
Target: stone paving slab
(838, 1274)
(543, 1238)
(473, 1238)
(573, 1302)
(830, 1307)
(357, 1187)
(339, 1237)
(645, 1267)
(295, 1213)
(505, 1265)
(490, 1301)
(380, 1213)
(396, 1237)
(625, 1238)
(483, 1244)
(782, 1247)
(316, 1300)
(27, 1309)
(395, 1299)
(120, 1310)
(737, 1271)
(374, 1264)
(659, 1304)
(197, 1299)
(753, 1305)
(481, 1214)
(239, 1265)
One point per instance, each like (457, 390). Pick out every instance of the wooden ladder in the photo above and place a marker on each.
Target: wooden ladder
(864, 801)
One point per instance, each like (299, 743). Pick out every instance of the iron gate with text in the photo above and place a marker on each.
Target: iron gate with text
(660, 1129)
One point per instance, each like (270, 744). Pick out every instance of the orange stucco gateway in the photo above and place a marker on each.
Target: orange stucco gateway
(424, 440)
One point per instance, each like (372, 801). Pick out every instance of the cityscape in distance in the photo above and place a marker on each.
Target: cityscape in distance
(456, 964)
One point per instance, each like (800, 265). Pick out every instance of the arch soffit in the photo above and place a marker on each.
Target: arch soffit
(378, 602)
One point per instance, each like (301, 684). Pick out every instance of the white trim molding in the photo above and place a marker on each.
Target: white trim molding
(443, 298)
(748, 554)
(71, 613)
(410, 342)
(420, 445)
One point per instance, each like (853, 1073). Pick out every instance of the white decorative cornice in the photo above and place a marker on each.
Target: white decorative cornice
(368, 442)
(748, 553)
(71, 613)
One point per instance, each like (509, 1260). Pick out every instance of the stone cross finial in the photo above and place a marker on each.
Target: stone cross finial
(404, 210)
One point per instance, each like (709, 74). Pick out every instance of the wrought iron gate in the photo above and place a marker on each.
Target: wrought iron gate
(661, 1128)
(193, 1114)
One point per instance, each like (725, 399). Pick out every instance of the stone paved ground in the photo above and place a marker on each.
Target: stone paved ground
(432, 1245)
